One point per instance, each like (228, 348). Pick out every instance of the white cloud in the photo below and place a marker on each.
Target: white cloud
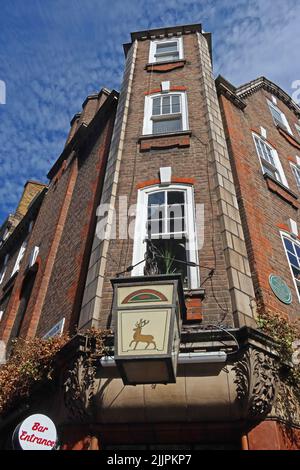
(57, 52)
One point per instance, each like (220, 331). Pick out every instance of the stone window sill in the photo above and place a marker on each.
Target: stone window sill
(164, 141)
(282, 191)
(165, 66)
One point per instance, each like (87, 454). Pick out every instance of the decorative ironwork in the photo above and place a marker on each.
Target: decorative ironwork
(151, 265)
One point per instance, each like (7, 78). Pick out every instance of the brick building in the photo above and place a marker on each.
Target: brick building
(212, 172)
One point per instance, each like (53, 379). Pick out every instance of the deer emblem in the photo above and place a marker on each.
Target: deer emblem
(139, 338)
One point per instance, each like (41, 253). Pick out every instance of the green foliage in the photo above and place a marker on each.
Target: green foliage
(285, 333)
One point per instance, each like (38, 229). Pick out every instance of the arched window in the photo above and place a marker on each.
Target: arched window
(165, 232)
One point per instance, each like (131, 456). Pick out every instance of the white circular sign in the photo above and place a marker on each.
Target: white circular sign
(37, 432)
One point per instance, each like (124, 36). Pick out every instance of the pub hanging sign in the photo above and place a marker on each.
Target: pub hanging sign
(147, 317)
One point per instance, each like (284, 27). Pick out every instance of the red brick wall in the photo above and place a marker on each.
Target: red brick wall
(270, 435)
(68, 273)
(62, 231)
(262, 210)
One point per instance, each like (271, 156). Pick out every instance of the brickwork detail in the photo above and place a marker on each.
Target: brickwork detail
(240, 282)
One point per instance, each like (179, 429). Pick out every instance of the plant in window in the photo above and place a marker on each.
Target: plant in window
(165, 233)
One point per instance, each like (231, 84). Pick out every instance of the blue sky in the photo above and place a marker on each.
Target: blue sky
(53, 53)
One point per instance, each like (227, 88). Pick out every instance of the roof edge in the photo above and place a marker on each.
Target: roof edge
(237, 94)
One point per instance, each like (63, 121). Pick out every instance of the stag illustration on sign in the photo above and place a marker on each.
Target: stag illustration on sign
(139, 338)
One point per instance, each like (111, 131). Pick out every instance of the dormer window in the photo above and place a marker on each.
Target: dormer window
(166, 50)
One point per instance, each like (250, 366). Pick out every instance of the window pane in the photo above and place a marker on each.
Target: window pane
(257, 141)
(297, 248)
(166, 105)
(268, 154)
(166, 47)
(175, 197)
(296, 273)
(155, 227)
(156, 212)
(175, 104)
(175, 211)
(293, 260)
(167, 57)
(289, 245)
(166, 126)
(296, 172)
(277, 115)
(175, 225)
(156, 106)
(156, 198)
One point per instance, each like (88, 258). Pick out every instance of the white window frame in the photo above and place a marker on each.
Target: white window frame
(296, 242)
(4, 268)
(296, 172)
(284, 122)
(297, 126)
(19, 258)
(278, 167)
(33, 256)
(140, 232)
(148, 120)
(153, 47)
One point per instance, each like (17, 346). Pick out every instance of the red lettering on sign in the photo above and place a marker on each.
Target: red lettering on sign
(39, 428)
(23, 435)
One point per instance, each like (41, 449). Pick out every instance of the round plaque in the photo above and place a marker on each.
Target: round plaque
(280, 289)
